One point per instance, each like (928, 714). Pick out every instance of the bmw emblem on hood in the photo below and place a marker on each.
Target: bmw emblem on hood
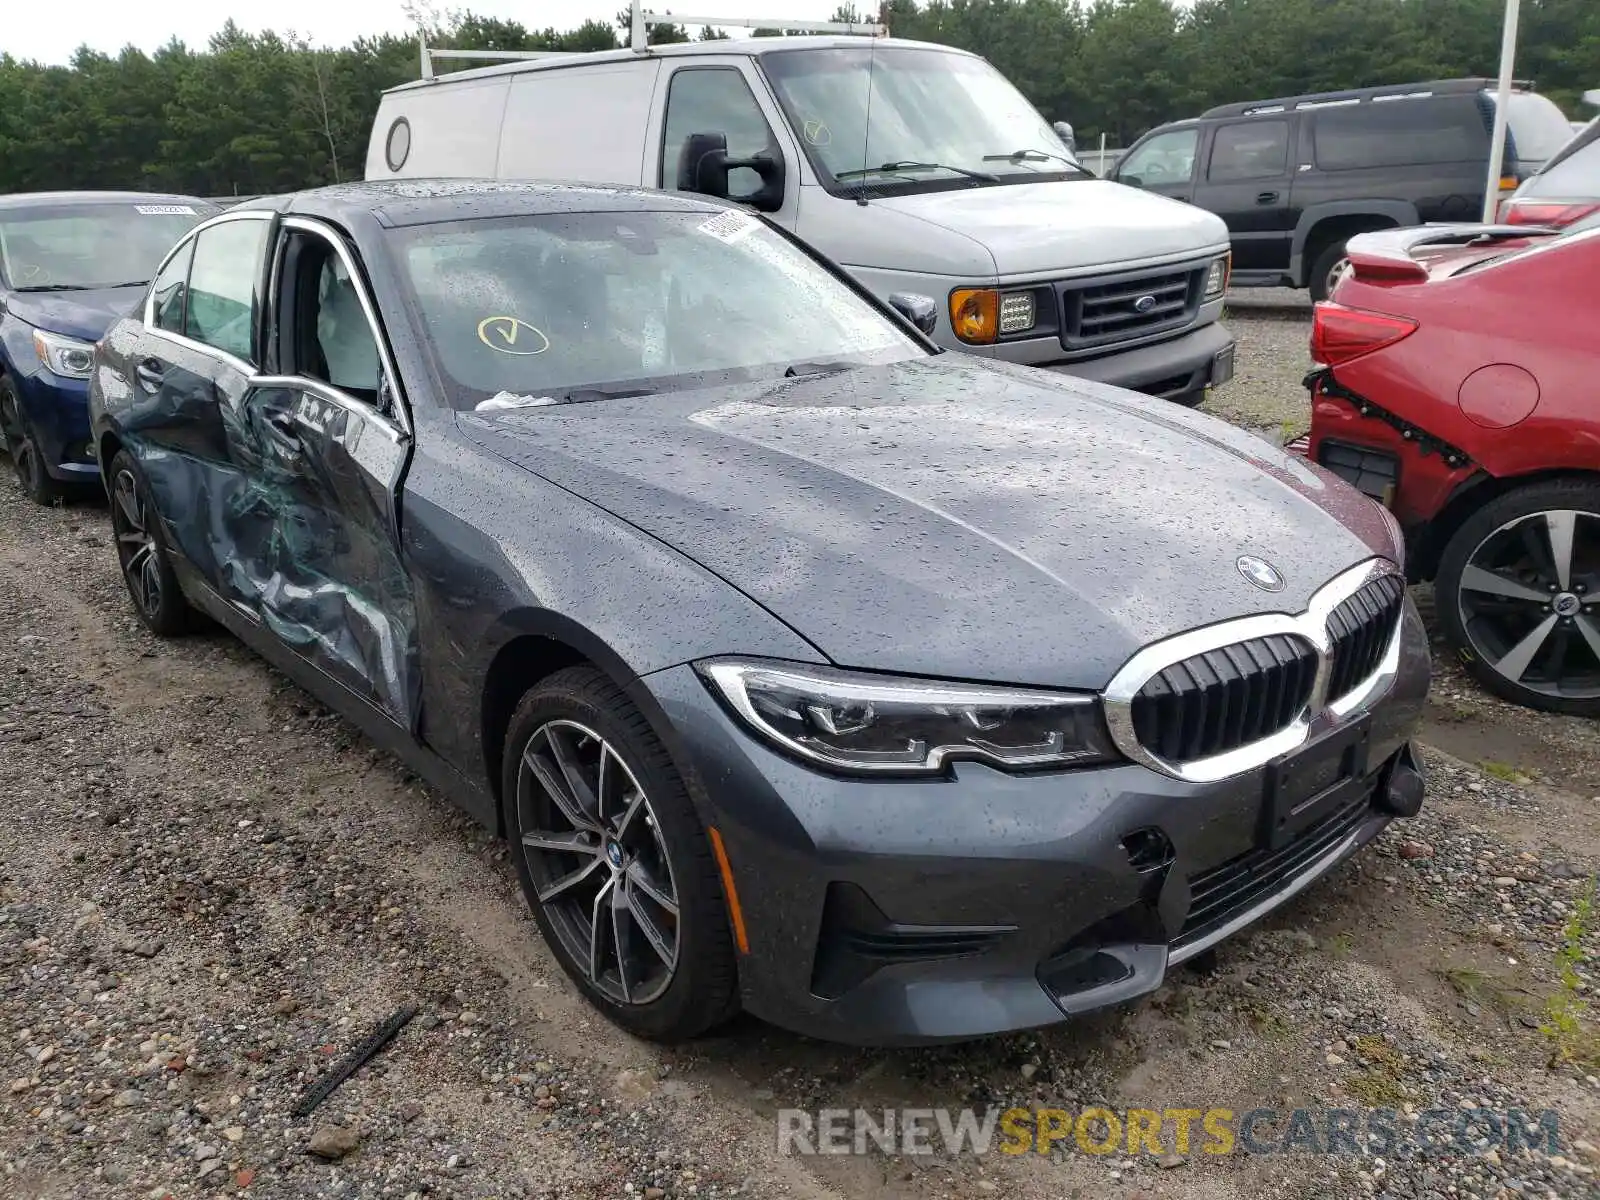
(1260, 572)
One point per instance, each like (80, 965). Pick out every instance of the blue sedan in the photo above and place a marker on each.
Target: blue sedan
(71, 263)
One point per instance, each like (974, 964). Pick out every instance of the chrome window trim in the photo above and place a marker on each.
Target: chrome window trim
(147, 312)
(1309, 626)
(188, 343)
(402, 413)
(326, 391)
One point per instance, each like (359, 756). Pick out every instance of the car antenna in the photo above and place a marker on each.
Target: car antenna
(866, 126)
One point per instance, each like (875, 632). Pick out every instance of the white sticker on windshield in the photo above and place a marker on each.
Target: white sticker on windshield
(729, 226)
(165, 210)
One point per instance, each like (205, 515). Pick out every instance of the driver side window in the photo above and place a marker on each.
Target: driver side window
(714, 100)
(170, 289)
(330, 338)
(1166, 159)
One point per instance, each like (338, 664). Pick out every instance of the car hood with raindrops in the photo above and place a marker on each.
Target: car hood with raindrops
(950, 517)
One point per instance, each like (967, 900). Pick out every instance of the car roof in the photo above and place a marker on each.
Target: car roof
(1436, 87)
(750, 47)
(401, 202)
(52, 199)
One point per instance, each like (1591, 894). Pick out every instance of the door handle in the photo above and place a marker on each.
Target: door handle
(150, 372)
(1266, 197)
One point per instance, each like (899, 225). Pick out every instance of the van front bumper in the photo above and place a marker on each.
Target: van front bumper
(1200, 358)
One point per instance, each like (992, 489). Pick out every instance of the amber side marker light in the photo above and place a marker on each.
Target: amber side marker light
(735, 910)
(975, 315)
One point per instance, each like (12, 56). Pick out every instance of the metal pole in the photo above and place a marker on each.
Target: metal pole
(1502, 112)
(637, 32)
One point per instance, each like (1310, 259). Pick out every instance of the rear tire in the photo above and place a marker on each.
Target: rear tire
(616, 866)
(1325, 270)
(26, 458)
(1514, 593)
(147, 572)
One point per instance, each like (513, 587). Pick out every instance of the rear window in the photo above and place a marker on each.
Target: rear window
(1575, 173)
(1397, 133)
(1538, 128)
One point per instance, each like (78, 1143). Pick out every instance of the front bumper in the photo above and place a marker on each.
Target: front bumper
(55, 412)
(1198, 359)
(883, 912)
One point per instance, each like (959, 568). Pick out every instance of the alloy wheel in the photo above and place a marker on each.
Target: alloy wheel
(1528, 602)
(598, 862)
(136, 546)
(25, 458)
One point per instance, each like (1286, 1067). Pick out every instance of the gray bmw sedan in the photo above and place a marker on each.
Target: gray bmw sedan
(892, 695)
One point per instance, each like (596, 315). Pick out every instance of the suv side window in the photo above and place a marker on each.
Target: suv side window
(1165, 159)
(170, 288)
(1249, 150)
(714, 100)
(224, 286)
(1399, 133)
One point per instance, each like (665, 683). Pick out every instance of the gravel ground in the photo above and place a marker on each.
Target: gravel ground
(210, 888)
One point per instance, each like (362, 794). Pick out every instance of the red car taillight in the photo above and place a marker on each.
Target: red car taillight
(1557, 214)
(1339, 334)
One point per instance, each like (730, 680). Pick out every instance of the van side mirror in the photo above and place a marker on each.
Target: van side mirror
(703, 166)
(1068, 138)
(921, 311)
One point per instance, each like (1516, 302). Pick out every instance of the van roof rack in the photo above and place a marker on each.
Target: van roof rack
(1393, 91)
(429, 54)
(641, 22)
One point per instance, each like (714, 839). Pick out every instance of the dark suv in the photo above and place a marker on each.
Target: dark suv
(1295, 177)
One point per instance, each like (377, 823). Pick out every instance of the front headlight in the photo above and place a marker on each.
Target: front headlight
(67, 357)
(1217, 277)
(863, 723)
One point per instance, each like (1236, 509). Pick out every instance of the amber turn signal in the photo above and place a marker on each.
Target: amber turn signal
(975, 315)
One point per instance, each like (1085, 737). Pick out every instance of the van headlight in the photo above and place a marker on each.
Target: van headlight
(875, 724)
(67, 357)
(1217, 277)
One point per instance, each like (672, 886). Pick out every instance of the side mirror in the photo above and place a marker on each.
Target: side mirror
(1064, 132)
(703, 166)
(921, 311)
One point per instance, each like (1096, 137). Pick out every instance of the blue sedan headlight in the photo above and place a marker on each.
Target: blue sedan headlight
(859, 722)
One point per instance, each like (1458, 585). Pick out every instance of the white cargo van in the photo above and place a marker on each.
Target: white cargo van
(918, 168)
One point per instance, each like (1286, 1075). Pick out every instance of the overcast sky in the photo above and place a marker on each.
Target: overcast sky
(50, 33)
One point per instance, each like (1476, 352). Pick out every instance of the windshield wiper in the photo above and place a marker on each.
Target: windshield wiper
(795, 370)
(58, 287)
(892, 168)
(587, 395)
(1021, 156)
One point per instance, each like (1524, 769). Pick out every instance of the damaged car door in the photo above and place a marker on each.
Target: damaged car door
(324, 440)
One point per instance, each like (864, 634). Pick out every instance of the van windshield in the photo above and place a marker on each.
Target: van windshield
(898, 119)
(581, 306)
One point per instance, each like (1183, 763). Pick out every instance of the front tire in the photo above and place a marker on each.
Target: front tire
(26, 458)
(1518, 594)
(614, 861)
(146, 569)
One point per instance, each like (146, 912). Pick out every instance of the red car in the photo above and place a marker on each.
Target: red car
(1459, 384)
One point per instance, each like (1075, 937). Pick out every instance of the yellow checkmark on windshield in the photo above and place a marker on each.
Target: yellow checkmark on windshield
(511, 335)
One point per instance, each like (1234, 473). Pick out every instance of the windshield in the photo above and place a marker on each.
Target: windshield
(84, 246)
(1538, 128)
(935, 116)
(569, 307)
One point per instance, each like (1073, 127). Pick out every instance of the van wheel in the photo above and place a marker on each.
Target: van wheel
(1518, 594)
